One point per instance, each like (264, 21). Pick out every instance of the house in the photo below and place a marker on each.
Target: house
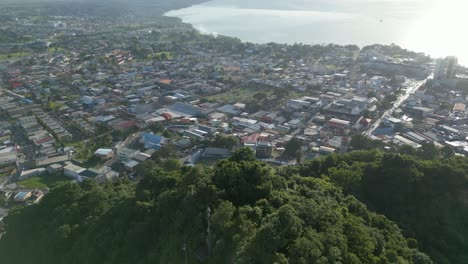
(142, 156)
(243, 122)
(54, 168)
(185, 109)
(269, 117)
(152, 141)
(37, 196)
(130, 165)
(193, 159)
(126, 154)
(239, 106)
(22, 196)
(297, 104)
(229, 109)
(338, 123)
(207, 129)
(88, 173)
(51, 160)
(399, 140)
(421, 111)
(125, 125)
(31, 173)
(8, 157)
(293, 123)
(97, 173)
(415, 137)
(459, 107)
(326, 150)
(282, 129)
(111, 175)
(196, 134)
(73, 171)
(251, 139)
(217, 153)
(264, 150)
(218, 116)
(104, 153)
(183, 143)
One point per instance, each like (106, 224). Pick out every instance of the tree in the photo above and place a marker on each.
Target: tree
(361, 142)
(371, 94)
(164, 56)
(225, 141)
(447, 152)
(172, 164)
(253, 107)
(257, 215)
(299, 156)
(366, 113)
(243, 154)
(243, 182)
(429, 151)
(167, 134)
(420, 258)
(259, 96)
(293, 147)
(407, 150)
(156, 128)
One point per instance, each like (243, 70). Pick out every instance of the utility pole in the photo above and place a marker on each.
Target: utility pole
(208, 230)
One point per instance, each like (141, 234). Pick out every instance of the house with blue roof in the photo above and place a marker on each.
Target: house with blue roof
(22, 196)
(152, 141)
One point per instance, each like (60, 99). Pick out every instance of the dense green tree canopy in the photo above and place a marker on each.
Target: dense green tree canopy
(426, 198)
(292, 147)
(241, 211)
(225, 141)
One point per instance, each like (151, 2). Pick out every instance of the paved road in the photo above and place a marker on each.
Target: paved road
(411, 86)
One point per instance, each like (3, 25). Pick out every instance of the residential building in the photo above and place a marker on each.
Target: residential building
(152, 141)
(73, 171)
(126, 154)
(264, 150)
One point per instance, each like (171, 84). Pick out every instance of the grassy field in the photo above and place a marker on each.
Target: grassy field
(4, 174)
(160, 56)
(268, 97)
(57, 49)
(13, 55)
(44, 181)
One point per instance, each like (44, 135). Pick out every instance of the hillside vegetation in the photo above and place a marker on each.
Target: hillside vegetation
(240, 211)
(428, 199)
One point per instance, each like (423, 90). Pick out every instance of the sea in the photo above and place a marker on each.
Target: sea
(435, 27)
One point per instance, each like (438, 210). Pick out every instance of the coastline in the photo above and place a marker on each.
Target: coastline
(252, 37)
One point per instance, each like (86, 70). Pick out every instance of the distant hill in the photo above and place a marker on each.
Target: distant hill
(241, 211)
(104, 7)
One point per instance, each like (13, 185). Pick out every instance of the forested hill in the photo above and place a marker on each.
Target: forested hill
(426, 197)
(243, 211)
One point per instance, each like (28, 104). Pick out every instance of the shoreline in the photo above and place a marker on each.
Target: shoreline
(201, 30)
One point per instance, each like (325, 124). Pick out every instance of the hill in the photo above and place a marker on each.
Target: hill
(428, 199)
(241, 211)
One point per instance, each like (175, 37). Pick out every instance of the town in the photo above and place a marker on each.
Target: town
(85, 97)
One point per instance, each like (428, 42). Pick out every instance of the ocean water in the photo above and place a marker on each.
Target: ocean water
(436, 27)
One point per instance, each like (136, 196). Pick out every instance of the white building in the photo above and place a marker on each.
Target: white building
(243, 122)
(8, 157)
(73, 171)
(32, 173)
